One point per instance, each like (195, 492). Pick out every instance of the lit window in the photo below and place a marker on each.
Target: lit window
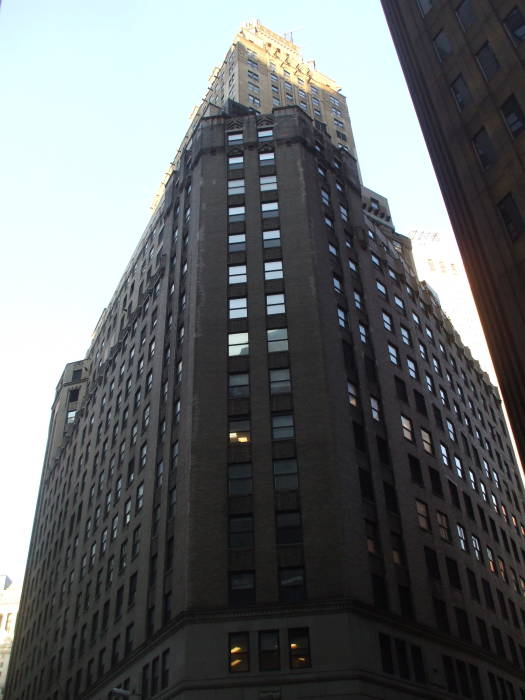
(239, 431)
(275, 304)
(299, 647)
(239, 652)
(238, 344)
(238, 308)
(273, 270)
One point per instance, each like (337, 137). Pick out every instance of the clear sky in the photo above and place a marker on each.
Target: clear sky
(96, 97)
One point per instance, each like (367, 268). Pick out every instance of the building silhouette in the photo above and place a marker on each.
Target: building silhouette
(9, 600)
(464, 66)
(277, 473)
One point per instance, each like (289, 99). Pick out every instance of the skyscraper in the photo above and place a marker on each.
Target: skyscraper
(277, 473)
(464, 65)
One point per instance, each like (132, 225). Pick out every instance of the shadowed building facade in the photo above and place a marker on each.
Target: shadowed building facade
(464, 66)
(277, 473)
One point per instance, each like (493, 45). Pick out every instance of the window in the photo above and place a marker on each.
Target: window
(352, 394)
(234, 137)
(381, 288)
(273, 270)
(407, 429)
(461, 92)
(236, 214)
(269, 209)
(424, 6)
(429, 382)
(484, 148)
(267, 183)
(238, 308)
(242, 588)
(352, 265)
(462, 536)
(282, 426)
(236, 274)
(235, 187)
(265, 134)
(238, 385)
(491, 561)
(285, 474)
(299, 648)
(465, 14)
(341, 317)
(275, 304)
(515, 25)
(511, 216)
(459, 467)
(513, 116)
(443, 526)
(487, 61)
(442, 45)
(277, 339)
(374, 408)
(393, 354)
(405, 335)
(267, 158)
(338, 285)
(422, 515)
(272, 239)
(451, 430)
(239, 652)
(363, 332)
(238, 344)
(239, 431)
(399, 302)
(269, 655)
(235, 162)
(280, 381)
(412, 368)
(426, 439)
(358, 300)
(239, 479)
(240, 532)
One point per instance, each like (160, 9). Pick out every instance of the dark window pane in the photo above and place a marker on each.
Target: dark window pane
(442, 45)
(461, 92)
(269, 657)
(515, 24)
(511, 216)
(425, 6)
(242, 588)
(465, 13)
(291, 585)
(387, 659)
(487, 60)
(484, 149)
(513, 116)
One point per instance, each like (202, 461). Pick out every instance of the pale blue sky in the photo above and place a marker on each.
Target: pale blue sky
(95, 100)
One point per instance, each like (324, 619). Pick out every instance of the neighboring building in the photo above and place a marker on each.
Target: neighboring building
(9, 601)
(277, 474)
(464, 65)
(439, 264)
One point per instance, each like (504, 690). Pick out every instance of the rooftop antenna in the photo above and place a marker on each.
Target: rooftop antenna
(289, 35)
